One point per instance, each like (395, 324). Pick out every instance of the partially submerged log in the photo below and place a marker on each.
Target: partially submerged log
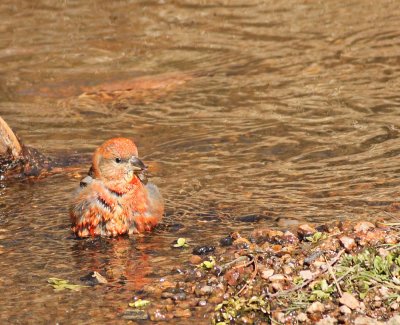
(9, 144)
(17, 159)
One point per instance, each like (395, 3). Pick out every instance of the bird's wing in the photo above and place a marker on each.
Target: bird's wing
(156, 202)
(93, 207)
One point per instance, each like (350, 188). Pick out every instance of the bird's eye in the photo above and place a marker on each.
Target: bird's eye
(118, 160)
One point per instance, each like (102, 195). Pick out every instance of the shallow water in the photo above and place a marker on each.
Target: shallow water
(287, 112)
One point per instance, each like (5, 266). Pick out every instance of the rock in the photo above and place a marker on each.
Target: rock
(227, 241)
(203, 250)
(327, 321)
(314, 255)
(93, 278)
(305, 231)
(306, 274)
(394, 306)
(364, 320)
(135, 314)
(202, 303)
(277, 286)
(166, 295)
(277, 277)
(302, 317)
(159, 315)
(195, 259)
(182, 313)
(373, 237)
(241, 243)
(165, 284)
(348, 243)
(232, 277)
(345, 310)
(287, 269)
(363, 226)
(290, 238)
(349, 300)
(265, 274)
(395, 320)
(391, 239)
(179, 296)
(330, 244)
(316, 307)
(206, 290)
(215, 300)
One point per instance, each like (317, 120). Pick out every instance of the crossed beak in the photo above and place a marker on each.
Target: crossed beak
(137, 164)
(137, 168)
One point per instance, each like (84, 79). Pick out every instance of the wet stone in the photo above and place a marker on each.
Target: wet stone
(206, 290)
(135, 314)
(195, 259)
(182, 313)
(93, 278)
(202, 303)
(249, 218)
(159, 315)
(227, 241)
(203, 250)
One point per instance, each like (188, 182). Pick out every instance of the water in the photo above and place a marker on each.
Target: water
(286, 111)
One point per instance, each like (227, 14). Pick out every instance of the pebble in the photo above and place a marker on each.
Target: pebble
(287, 269)
(206, 290)
(227, 241)
(327, 321)
(195, 259)
(305, 230)
(349, 300)
(182, 313)
(306, 274)
(203, 250)
(316, 307)
(93, 278)
(202, 303)
(348, 243)
(135, 314)
(345, 310)
(302, 317)
(267, 273)
(158, 315)
(363, 226)
(277, 277)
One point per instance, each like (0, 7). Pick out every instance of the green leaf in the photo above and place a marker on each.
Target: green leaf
(208, 264)
(316, 237)
(181, 242)
(61, 284)
(139, 303)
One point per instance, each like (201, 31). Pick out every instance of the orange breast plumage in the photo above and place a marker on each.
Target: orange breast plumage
(115, 198)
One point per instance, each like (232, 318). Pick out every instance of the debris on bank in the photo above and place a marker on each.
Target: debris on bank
(340, 273)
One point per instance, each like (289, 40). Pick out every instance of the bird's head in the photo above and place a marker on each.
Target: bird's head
(116, 160)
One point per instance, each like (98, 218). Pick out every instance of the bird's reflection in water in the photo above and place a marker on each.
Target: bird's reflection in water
(122, 260)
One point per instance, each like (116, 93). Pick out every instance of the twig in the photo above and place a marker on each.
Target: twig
(334, 278)
(253, 276)
(300, 286)
(239, 259)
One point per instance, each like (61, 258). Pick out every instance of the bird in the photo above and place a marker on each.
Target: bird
(116, 197)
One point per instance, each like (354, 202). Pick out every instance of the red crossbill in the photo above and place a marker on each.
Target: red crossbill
(116, 198)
